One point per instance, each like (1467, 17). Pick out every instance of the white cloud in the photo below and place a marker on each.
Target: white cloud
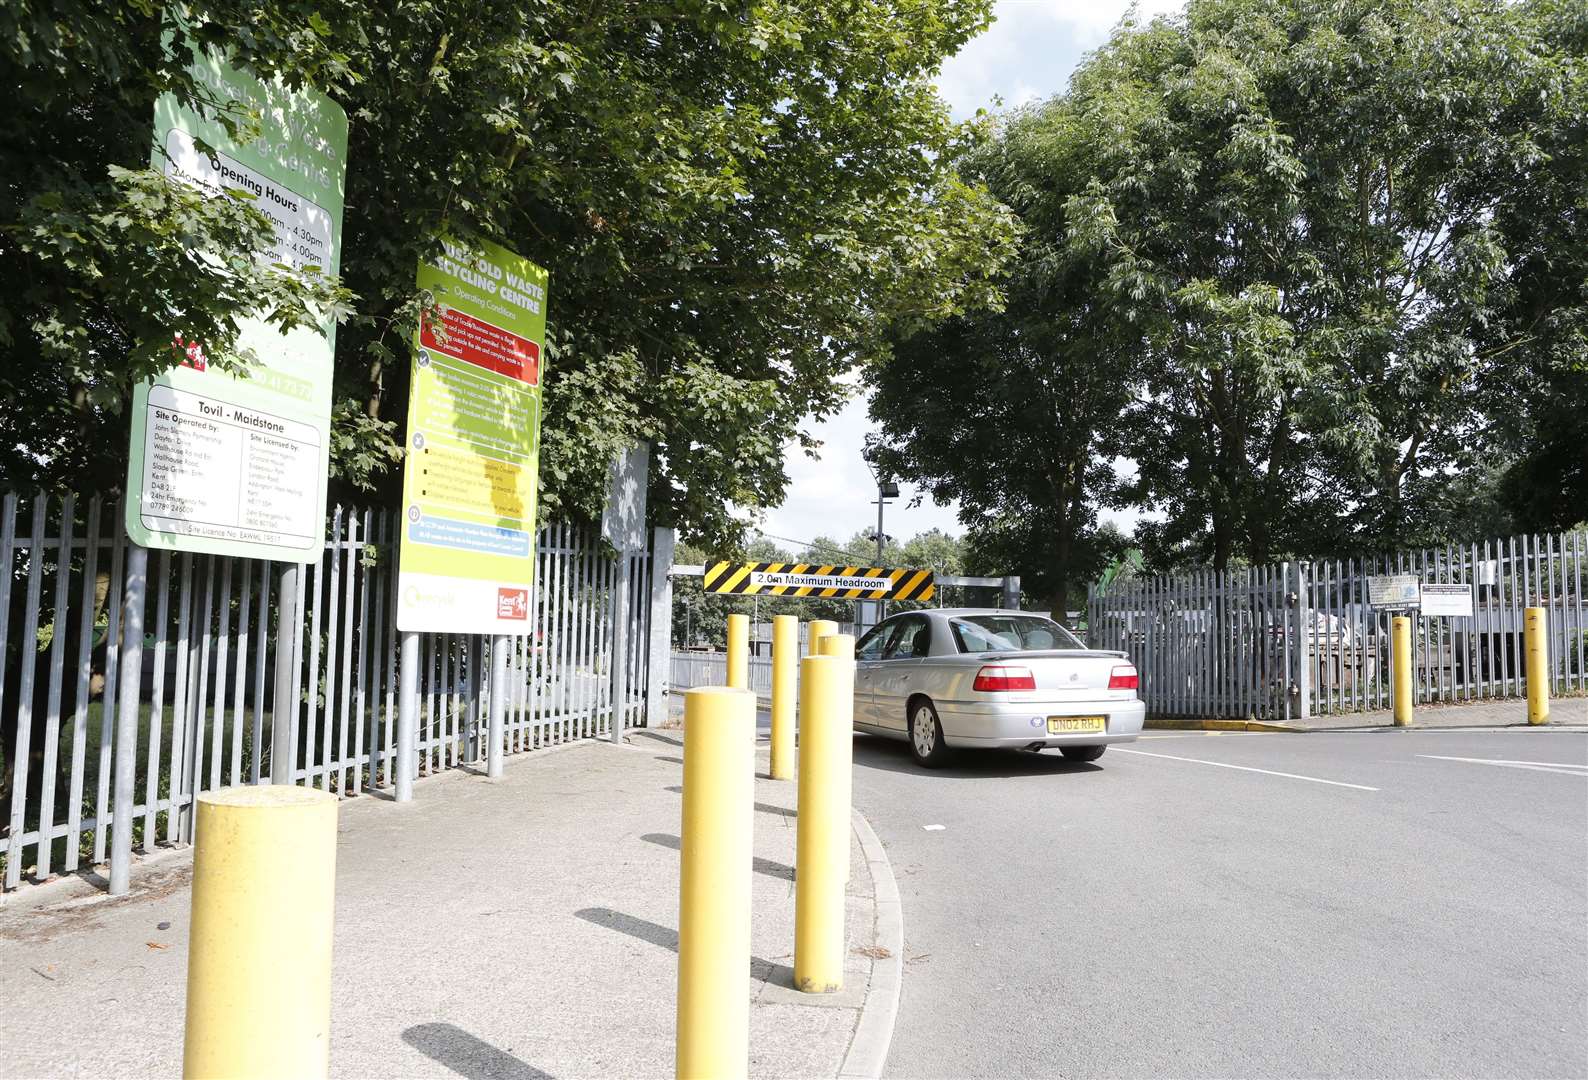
(834, 495)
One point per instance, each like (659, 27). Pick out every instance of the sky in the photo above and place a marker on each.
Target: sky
(1026, 55)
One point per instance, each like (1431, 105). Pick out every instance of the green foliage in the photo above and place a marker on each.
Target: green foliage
(1315, 268)
(735, 202)
(1310, 211)
(1013, 412)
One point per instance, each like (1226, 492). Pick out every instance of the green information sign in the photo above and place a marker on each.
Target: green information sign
(468, 541)
(229, 465)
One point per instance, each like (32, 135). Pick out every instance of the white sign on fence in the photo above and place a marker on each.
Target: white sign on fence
(1453, 600)
(219, 463)
(1393, 591)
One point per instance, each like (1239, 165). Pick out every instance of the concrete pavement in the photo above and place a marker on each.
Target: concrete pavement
(1407, 903)
(524, 928)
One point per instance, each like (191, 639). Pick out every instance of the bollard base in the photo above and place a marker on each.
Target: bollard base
(811, 986)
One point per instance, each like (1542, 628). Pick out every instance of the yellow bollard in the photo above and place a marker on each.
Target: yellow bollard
(826, 719)
(259, 940)
(839, 645)
(739, 652)
(1401, 669)
(1535, 639)
(815, 631)
(785, 676)
(843, 647)
(714, 884)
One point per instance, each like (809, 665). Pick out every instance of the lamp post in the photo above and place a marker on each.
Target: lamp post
(887, 491)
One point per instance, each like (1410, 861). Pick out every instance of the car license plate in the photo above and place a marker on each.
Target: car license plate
(1072, 725)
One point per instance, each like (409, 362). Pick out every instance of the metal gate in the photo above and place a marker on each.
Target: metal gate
(208, 715)
(1300, 639)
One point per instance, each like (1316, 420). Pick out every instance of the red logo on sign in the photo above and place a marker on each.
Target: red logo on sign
(512, 603)
(189, 352)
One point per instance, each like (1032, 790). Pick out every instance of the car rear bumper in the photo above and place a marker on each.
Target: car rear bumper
(991, 725)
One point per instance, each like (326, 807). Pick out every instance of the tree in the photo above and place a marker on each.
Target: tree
(934, 550)
(1304, 208)
(734, 202)
(106, 259)
(1315, 269)
(1014, 412)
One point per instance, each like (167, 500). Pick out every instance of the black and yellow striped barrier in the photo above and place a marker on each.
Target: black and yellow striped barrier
(816, 579)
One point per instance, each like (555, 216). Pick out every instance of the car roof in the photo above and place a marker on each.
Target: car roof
(957, 612)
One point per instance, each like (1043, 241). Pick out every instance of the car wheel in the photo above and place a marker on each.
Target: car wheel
(1082, 753)
(926, 735)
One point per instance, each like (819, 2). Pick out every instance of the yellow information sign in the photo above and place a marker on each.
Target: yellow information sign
(469, 484)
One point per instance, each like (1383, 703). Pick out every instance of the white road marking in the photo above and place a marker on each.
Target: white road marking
(1512, 729)
(1565, 767)
(1247, 768)
(933, 828)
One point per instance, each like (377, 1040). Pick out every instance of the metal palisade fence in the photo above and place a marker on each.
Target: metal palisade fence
(1300, 639)
(208, 714)
(689, 669)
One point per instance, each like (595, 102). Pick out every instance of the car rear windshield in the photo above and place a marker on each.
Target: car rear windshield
(1010, 633)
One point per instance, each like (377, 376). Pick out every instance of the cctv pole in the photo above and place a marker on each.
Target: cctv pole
(877, 609)
(880, 505)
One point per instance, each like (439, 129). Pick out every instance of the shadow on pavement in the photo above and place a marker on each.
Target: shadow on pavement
(762, 866)
(643, 734)
(890, 755)
(665, 757)
(667, 938)
(765, 808)
(468, 1056)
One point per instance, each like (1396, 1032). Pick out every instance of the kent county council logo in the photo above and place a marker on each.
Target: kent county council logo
(512, 603)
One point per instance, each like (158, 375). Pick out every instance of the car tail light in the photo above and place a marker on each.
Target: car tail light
(1124, 677)
(994, 677)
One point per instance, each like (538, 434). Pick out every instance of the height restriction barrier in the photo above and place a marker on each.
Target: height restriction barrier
(827, 581)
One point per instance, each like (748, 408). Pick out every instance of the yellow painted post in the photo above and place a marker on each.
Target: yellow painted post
(785, 677)
(843, 647)
(1535, 643)
(739, 652)
(714, 884)
(1401, 668)
(259, 939)
(839, 645)
(822, 844)
(815, 631)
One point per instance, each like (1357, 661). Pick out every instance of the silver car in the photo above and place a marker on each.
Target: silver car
(984, 677)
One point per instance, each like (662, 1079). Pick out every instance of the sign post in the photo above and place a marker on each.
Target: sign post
(467, 557)
(236, 464)
(623, 526)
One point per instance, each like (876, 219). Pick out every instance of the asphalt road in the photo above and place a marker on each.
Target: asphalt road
(1151, 916)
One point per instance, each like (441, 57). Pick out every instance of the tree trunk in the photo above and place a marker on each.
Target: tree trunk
(1260, 527)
